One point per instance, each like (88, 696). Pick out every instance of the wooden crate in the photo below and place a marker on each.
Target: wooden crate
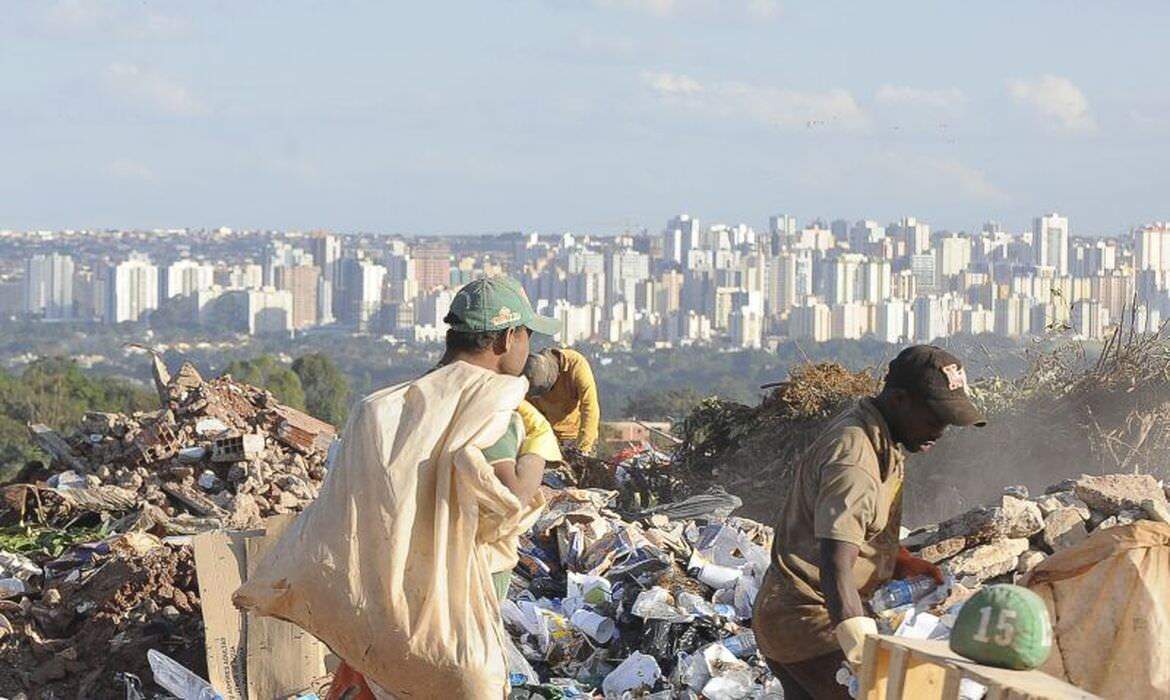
(918, 669)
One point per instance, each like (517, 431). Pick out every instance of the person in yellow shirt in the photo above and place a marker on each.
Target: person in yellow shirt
(561, 386)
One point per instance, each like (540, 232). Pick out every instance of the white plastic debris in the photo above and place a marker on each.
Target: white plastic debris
(636, 672)
(13, 565)
(208, 481)
(730, 678)
(599, 628)
(192, 454)
(67, 480)
(178, 680)
(210, 426)
(714, 575)
(655, 604)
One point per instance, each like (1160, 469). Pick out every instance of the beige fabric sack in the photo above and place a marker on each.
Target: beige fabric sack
(1109, 598)
(388, 567)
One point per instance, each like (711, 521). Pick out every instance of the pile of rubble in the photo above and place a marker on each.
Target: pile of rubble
(218, 453)
(95, 558)
(997, 543)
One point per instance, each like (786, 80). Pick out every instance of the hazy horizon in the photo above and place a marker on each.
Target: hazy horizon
(580, 115)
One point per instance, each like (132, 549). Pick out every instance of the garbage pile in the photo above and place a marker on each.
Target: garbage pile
(749, 449)
(95, 562)
(657, 604)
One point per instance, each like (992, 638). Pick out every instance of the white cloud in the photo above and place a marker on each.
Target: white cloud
(1056, 100)
(946, 99)
(124, 169)
(670, 84)
(834, 109)
(151, 89)
(755, 9)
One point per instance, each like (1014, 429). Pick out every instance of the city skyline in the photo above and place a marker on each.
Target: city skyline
(727, 286)
(582, 115)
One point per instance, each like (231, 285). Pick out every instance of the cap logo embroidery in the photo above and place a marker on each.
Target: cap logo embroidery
(956, 377)
(505, 315)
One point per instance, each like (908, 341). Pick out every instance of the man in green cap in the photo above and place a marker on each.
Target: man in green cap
(491, 322)
(836, 537)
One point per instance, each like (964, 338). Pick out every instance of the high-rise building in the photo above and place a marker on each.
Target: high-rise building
(624, 269)
(894, 321)
(362, 282)
(876, 281)
(432, 266)
(268, 311)
(930, 319)
(1152, 246)
(185, 277)
(924, 269)
(1089, 319)
(1050, 242)
(811, 320)
(914, 235)
(48, 287)
(128, 290)
(849, 320)
(303, 282)
(954, 256)
(326, 251)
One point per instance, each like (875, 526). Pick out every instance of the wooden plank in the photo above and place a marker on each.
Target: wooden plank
(950, 690)
(869, 668)
(282, 659)
(896, 684)
(1029, 684)
(924, 678)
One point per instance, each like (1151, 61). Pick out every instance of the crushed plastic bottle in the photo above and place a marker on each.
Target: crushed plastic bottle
(846, 678)
(901, 592)
(179, 681)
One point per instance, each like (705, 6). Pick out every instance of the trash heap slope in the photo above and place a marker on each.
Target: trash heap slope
(100, 540)
(1063, 417)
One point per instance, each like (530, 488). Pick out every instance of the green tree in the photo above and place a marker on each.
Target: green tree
(326, 389)
(672, 404)
(266, 372)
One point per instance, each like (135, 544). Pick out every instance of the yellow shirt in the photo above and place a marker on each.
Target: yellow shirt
(571, 405)
(847, 487)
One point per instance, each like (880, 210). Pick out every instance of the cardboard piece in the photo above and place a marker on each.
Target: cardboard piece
(251, 657)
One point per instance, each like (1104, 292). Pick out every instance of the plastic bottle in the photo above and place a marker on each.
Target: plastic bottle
(901, 592)
(179, 681)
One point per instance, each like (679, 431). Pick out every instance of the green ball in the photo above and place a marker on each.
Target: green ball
(1005, 626)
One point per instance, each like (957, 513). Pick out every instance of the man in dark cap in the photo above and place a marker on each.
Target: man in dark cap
(836, 536)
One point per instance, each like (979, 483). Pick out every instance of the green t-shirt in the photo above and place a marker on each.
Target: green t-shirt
(508, 446)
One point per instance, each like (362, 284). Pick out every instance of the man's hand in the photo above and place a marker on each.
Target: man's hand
(851, 634)
(908, 566)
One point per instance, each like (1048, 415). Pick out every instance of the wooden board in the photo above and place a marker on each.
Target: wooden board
(897, 667)
(250, 657)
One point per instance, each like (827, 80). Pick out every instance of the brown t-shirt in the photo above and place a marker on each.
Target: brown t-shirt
(847, 486)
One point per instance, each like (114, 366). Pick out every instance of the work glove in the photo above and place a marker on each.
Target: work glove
(851, 634)
(906, 565)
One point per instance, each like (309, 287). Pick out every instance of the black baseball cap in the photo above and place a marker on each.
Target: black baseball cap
(938, 378)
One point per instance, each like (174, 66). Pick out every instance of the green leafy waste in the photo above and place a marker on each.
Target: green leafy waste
(50, 541)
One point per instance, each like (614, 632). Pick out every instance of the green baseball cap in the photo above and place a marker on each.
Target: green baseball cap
(495, 304)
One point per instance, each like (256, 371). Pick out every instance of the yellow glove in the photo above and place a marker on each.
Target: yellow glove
(851, 635)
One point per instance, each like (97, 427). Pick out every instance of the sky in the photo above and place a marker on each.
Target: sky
(581, 115)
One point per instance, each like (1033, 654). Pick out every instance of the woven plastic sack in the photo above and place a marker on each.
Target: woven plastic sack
(1005, 626)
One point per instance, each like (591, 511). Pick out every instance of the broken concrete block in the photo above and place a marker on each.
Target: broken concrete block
(1029, 559)
(1013, 518)
(1112, 493)
(1017, 491)
(1156, 510)
(988, 560)
(1060, 501)
(1063, 528)
(934, 553)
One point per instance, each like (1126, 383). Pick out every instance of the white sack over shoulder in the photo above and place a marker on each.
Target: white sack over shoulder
(387, 566)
